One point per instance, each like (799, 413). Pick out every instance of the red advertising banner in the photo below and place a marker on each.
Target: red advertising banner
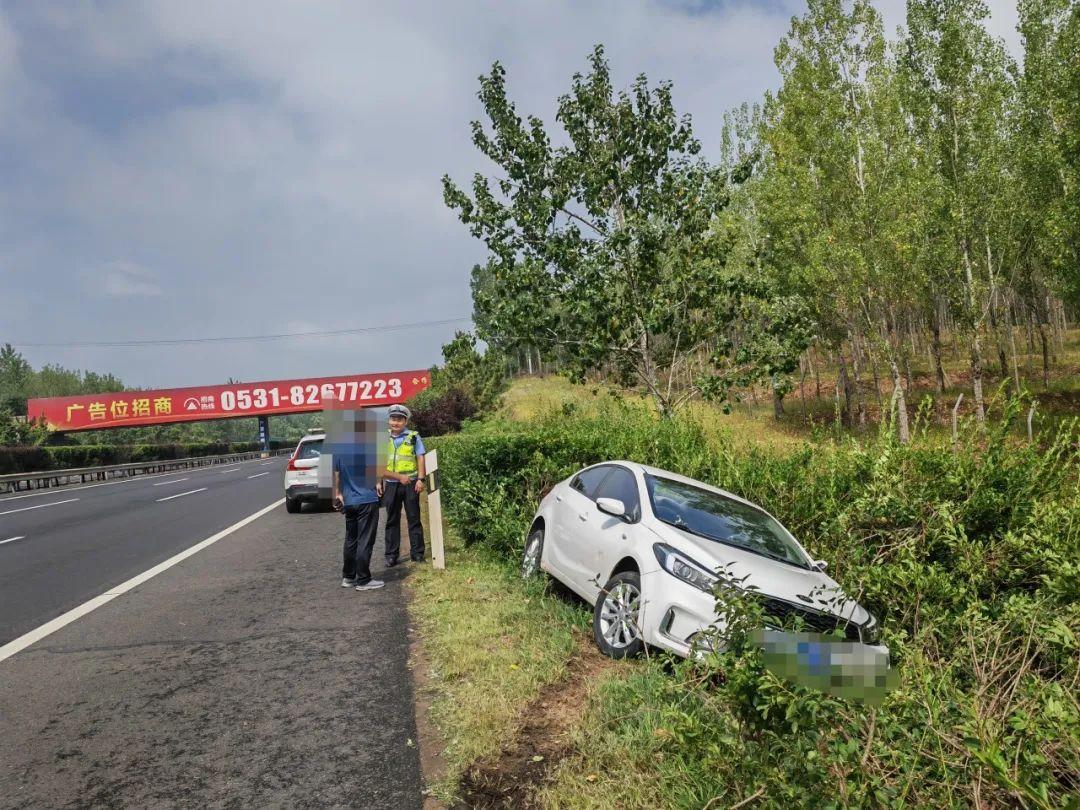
(132, 408)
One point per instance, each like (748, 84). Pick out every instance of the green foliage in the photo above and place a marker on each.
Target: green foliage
(469, 383)
(603, 251)
(968, 558)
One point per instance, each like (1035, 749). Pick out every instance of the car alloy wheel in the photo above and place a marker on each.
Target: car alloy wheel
(617, 617)
(534, 548)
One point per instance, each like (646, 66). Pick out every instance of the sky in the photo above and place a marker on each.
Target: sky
(173, 170)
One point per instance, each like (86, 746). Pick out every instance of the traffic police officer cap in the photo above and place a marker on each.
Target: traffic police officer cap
(400, 410)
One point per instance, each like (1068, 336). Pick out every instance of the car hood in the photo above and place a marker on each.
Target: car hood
(811, 588)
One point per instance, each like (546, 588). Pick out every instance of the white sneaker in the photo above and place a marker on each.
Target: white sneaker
(370, 585)
(348, 583)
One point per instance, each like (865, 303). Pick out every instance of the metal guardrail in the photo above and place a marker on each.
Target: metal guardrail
(19, 482)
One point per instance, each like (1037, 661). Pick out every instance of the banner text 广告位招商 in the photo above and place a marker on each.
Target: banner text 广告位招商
(132, 408)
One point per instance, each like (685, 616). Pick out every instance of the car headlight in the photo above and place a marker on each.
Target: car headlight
(682, 567)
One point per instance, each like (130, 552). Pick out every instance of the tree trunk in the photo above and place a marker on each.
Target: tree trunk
(1004, 366)
(843, 384)
(817, 377)
(1012, 348)
(976, 377)
(903, 429)
(528, 357)
(856, 367)
(935, 350)
(1043, 338)
(777, 400)
(802, 382)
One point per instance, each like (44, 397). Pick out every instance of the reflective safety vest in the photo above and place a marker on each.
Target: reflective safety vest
(402, 459)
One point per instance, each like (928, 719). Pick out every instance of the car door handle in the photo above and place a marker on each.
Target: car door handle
(558, 498)
(583, 518)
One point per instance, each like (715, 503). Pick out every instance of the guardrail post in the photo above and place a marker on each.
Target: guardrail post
(434, 501)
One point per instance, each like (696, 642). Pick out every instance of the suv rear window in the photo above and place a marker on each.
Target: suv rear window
(311, 449)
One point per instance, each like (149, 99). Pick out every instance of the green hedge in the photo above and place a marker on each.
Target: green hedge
(970, 559)
(34, 459)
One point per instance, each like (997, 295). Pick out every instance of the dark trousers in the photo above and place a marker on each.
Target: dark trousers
(361, 526)
(394, 496)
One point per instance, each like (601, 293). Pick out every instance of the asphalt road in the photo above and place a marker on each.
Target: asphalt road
(243, 676)
(77, 542)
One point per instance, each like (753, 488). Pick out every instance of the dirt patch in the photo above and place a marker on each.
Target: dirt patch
(542, 741)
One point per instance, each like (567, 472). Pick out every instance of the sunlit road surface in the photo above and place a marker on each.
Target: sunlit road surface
(77, 542)
(241, 675)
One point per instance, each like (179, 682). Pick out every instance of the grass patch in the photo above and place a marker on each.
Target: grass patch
(491, 641)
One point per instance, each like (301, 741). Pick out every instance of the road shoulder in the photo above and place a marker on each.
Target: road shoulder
(244, 675)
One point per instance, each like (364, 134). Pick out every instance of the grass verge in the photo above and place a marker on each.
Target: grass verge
(492, 642)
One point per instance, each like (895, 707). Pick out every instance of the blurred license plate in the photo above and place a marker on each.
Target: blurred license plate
(846, 669)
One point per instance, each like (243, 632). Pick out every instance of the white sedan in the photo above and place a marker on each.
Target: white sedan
(646, 547)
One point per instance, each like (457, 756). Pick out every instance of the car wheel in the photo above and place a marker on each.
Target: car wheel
(292, 505)
(534, 549)
(617, 617)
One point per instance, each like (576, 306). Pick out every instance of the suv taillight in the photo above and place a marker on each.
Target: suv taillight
(292, 464)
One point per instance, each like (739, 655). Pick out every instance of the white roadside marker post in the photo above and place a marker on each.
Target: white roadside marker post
(434, 502)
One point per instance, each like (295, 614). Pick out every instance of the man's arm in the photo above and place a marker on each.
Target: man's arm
(421, 471)
(336, 494)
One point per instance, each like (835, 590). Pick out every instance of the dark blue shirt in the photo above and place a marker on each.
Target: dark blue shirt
(350, 463)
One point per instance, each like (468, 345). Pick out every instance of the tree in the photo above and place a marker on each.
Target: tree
(837, 199)
(603, 250)
(15, 377)
(958, 76)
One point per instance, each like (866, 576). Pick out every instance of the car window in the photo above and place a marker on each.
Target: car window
(312, 449)
(622, 486)
(721, 519)
(587, 481)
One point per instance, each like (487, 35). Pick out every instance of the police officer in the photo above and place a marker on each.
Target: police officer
(403, 484)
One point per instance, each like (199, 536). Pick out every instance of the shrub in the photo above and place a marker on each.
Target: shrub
(435, 414)
(968, 558)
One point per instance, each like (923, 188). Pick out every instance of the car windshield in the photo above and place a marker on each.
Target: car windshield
(722, 520)
(312, 449)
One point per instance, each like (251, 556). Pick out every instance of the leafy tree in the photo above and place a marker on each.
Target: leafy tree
(15, 377)
(603, 249)
(960, 89)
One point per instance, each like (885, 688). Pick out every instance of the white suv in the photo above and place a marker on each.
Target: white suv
(302, 473)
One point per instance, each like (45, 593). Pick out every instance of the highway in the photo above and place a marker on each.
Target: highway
(242, 675)
(60, 547)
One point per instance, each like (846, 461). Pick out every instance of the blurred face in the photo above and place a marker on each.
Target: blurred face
(397, 423)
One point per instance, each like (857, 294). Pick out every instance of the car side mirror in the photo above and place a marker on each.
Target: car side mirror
(821, 565)
(611, 506)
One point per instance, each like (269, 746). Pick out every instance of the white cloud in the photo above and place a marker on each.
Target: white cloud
(278, 162)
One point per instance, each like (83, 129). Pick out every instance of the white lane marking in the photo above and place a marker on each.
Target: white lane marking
(182, 494)
(258, 475)
(267, 464)
(231, 469)
(133, 480)
(13, 539)
(34, 636)
(39, 506)
(174, 481)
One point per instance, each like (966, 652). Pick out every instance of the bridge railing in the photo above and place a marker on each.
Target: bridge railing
(20, 482)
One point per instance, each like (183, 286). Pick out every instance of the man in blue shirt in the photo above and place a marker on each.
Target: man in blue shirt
(357, 491)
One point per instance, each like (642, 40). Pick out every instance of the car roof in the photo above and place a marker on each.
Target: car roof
(311, 437)
(645, 468)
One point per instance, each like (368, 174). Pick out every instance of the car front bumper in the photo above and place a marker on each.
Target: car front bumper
(677, 616)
